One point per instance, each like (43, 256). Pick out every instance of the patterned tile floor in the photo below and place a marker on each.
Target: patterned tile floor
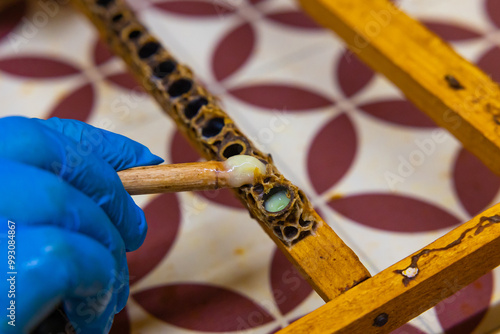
(339, 131)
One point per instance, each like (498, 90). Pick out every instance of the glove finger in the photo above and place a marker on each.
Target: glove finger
(31, 196)
(47, 149)
(117, 150)
(93, 315)
(53, 264)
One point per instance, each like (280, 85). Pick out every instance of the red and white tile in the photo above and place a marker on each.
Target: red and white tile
(334, 127)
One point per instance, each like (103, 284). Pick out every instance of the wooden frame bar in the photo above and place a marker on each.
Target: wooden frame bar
(313, 247)
(457, 96)
(453, 92)
(404, 290)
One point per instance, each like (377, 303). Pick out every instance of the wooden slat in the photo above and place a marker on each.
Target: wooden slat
(444, 267)
(454, 93)
(326, 261)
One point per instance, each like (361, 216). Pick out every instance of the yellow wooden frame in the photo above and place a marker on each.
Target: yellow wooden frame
(454, 93)
(457, 96)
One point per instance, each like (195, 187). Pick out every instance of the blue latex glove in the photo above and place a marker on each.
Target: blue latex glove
(73, 221)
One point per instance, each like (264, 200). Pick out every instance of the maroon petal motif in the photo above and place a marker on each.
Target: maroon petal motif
(126, 81)
(101, 53)
(353, 74)
(394, 213)
(195, 8)
(37, 67)
(476, 185)
(400, 112)
(76, 105)
(223, 197)
(493, 10)
(202, 308)
(121, 323)
(489, 63)
(10, 17)
(332, 153)
(163, 216)
(276, 330)
(233, 51)
(181, 152)
(451, 33)
(407, 329)
(281, 96)
(289, 287)
(462, 312)
(294, 18)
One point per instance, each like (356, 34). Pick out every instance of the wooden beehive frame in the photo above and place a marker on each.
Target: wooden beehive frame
(297, 229)
(453, 92)
(457, 96)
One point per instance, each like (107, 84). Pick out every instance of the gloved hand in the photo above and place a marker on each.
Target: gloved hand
(71, 221)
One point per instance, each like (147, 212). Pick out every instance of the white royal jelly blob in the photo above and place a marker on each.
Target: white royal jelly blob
(243, 169)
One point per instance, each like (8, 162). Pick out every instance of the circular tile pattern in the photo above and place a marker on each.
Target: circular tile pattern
(333, 103)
